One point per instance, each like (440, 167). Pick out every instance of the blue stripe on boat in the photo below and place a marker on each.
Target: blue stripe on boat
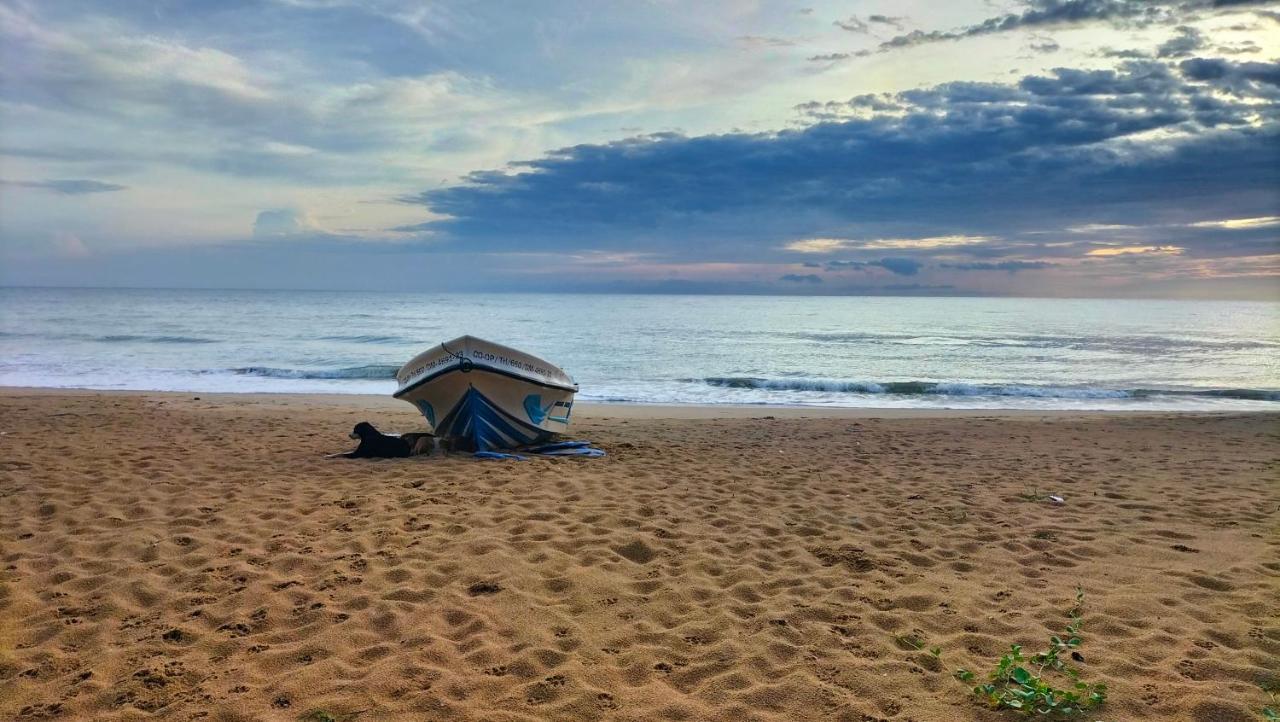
(427, 412)
(477, 418)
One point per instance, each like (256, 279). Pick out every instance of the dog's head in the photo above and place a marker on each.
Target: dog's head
(364, 430)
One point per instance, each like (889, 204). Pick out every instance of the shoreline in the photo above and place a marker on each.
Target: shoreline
(640, 410)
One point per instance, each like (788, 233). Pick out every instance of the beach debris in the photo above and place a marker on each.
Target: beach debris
(499, 455)
(1057, 499)
(558, 448)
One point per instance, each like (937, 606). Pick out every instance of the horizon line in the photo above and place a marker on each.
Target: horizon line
(587, 292)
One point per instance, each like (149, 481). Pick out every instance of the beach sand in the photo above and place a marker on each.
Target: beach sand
(172, 558)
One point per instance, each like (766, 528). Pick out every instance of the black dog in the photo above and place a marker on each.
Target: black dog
(376, 445)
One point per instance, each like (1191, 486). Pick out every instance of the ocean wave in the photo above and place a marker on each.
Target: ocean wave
(1122, 344)
(372, 371)
(918, 388)
(131, 338)
(1246, 394)
(371, 338)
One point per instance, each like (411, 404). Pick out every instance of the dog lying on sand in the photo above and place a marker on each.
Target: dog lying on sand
(377, 445)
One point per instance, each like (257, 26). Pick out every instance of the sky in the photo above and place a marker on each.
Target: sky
(1102, 148)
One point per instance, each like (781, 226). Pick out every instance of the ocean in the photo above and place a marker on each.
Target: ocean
(988, 353)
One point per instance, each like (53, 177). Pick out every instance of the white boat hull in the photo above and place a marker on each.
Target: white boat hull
(488, 395)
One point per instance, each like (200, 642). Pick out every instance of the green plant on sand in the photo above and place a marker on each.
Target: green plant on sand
(1271, 713)
(909, 641)
(1019, 683)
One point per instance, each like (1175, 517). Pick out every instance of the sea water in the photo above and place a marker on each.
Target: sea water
(826, 351)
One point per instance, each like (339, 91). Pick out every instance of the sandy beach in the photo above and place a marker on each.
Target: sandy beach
(168, 557)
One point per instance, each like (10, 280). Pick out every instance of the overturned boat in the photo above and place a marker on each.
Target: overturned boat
(486, 395)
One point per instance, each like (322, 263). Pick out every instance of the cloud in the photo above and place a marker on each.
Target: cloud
(797, 278)
(1129, 54)
(1010, 266)
(1239, 78)
(280, 222)
(819, 245)
(95, 88)
(69, 187)
(1245, 47)
(1135, 250)
(831, 245)
(896, 266)
(893, 21)
(1044, 45)
(996, 169)
(1186, 42)
(1060, 13)
(1239, 223)
(765, 41)
(289, 105)
(853, 24)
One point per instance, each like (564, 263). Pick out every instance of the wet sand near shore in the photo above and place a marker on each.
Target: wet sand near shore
(171, 558)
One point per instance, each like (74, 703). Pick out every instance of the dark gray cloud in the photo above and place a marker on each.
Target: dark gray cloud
(1045, 45)
(836, 57)
(1126, 54)
(896, 266)
(69, 187)
(1242, 48)
(1239, 78)
(798, 278)
(1185, 43)
(1145, 145)
(1010, 266)
(1057, 13)
(891, 20)
(853, 24)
